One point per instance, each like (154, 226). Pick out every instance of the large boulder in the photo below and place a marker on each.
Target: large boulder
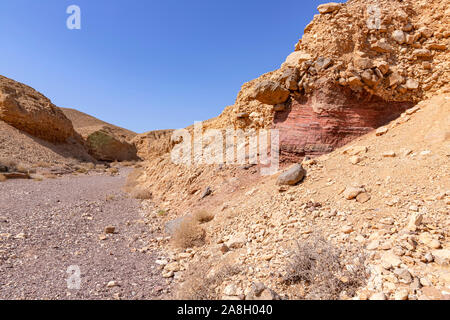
(292, 176)
(104, 145)
(329, 7)
(27, 110)
(270, 92)
(295, 59)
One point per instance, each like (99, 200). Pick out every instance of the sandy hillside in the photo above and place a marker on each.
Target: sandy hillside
(83, 122)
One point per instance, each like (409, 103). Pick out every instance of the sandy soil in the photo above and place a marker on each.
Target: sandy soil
(47, 226)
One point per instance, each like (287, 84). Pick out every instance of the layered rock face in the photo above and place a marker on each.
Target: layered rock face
(153, 143)
(27, 110)
(358, 66)
(331, 117)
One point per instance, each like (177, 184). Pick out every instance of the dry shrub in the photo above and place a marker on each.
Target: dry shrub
(100, 166)
(81, 170)
(128, 163)
(50, 175)
(161, 213)
(188, 234)
(326, 271)
(37, 177)
(141, 194)
(201, 285)
(2, 178)
(42, 164)
(203, 216)
(113, 170)
(133, 180)
(22, 168)
(88, 165)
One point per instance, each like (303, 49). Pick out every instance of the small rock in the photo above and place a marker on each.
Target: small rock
(414, 221)
(174, 266)
(399, 36)
(403, 275)
(412, 84)
(224, 249)
(237, 241)
(389, 154)
(110, 230)
(347, 229)
(231, 290)
(378, 296)
(113, 284)
(355, 150)
(426, 32)
(329, 7)
(363, 197)
(355, 160)
(373, 245)
(382, 46)
(381, 131)
(422, 53)
(168, 274)
(401, 294)
(352, 192)
(390, 260)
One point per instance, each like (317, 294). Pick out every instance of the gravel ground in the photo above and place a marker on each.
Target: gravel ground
(48, 226)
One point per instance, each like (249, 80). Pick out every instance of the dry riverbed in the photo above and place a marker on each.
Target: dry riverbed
(48, 226)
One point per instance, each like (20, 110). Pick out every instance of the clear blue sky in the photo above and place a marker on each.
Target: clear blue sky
(147, 65)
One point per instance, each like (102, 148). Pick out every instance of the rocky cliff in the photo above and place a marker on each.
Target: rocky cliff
(27, 110)
(358, 66)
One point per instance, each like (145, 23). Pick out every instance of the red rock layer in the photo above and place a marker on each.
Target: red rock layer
(330, 118)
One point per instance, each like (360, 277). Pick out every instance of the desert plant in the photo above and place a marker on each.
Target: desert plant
(203, 216)
(133, 180)
(161, 213)
(141, 193)
(88, 165)
(22, 168)
(201, 285)
(113, 170)
(327, 271)
(2, 178)
(188, 234)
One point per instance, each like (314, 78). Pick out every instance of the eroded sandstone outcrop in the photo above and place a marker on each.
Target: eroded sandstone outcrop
(27, 110)
(331, 117)
(358, 66)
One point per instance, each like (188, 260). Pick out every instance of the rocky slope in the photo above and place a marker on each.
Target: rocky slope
(386, 193)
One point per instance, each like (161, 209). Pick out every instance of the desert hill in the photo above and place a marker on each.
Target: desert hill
(84, 122)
